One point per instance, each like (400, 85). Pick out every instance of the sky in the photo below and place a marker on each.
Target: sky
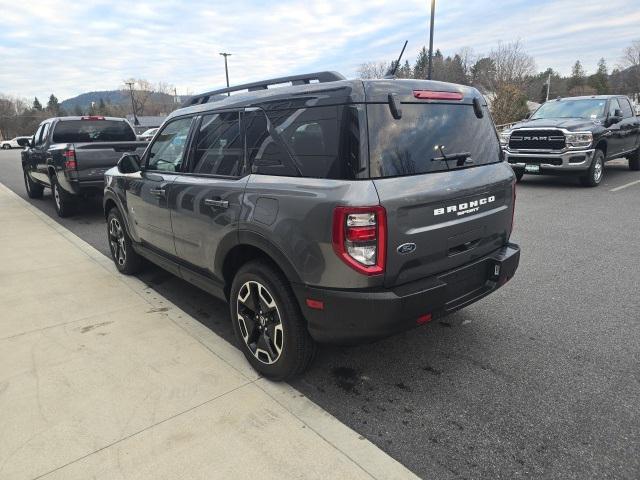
(68, 48)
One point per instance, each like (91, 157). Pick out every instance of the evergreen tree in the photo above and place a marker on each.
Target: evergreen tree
(102, 107)
(77, 111)
(37, 105)
(578, 76)
(600, 79)
(422, 62)
(53, 106)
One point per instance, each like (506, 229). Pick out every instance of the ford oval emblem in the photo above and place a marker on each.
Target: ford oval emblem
(406, 248)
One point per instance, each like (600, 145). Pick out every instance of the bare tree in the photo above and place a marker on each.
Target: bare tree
(142, 91)
(511, 65)
(372, 70)
(631, 61)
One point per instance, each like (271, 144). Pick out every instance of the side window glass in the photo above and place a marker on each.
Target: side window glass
(168, 150)
(43, 136)
(219, 145)
(266, 154)
(626, 108)
(613, 106)
(37, 135)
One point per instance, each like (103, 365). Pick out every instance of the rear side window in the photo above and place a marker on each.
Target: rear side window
(626, 108)
(219, 145)
(85, 131)
(317, 139)
(426, 134)
(266, 152)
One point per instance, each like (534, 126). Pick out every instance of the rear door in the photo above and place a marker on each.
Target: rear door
(148, 198)
(440, 178)
(207, 198)
(629, 125)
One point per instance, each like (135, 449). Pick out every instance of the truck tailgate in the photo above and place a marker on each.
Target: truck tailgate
(93, 159)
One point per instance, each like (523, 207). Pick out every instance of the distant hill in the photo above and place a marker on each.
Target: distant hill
(114, 97)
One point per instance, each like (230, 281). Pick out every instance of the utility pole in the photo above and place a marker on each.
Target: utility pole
(548, 86)
(433, 11)
(175, 95)
(133, 104)
(226, 69)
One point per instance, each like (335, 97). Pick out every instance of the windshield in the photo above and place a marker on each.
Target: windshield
(426, 135)
(586, 108)
(84, 131)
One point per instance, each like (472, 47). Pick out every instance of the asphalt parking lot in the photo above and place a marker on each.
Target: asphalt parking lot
(540, 380)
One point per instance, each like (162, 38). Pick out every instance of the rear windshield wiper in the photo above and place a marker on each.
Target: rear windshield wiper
(461, 157)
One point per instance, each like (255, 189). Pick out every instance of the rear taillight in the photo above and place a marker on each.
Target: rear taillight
(360, 238)
(70, 159)
(436, 95)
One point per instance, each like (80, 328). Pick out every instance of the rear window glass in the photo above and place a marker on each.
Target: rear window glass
(85, 131)
(426, 134)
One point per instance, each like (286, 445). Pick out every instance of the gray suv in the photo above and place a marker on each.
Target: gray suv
(325, 210)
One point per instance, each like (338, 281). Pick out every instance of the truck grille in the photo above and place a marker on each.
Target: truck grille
(537, 140)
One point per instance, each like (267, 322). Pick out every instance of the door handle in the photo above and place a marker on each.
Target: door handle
(158, 192)
(216, 203)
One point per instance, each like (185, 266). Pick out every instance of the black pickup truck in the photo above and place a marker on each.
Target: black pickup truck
(574, 136)
(71, 154)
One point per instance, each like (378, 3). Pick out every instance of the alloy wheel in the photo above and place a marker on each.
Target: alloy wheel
(26, 183)
(116, 242)
(259, 321)
(56, 195)
(597, 171)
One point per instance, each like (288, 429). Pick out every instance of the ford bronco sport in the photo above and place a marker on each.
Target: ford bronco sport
(328, 210)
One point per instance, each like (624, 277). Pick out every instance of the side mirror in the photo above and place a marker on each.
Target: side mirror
(129, 163)
(24, 142)
(617, 113)
(612, 120)
(528, 115)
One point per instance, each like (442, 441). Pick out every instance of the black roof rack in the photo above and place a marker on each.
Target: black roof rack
(306, 78)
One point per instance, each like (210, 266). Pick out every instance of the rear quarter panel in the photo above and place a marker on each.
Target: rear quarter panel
(295, 215)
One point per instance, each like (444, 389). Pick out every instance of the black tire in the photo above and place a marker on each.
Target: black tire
(596, 171)
(6, 146)
(276, 323)
(65, 203)
(125, 258)
(634, 160)
(519, 174)
(34, 190)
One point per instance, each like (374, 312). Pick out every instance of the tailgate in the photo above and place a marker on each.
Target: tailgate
(439, 221)
(93, 159)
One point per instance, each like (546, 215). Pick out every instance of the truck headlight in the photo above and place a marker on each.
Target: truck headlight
(579, 140)
(504, 137)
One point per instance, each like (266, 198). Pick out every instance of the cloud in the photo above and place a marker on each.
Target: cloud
(72, 47)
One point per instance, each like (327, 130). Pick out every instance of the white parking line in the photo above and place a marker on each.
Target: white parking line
(624, 186)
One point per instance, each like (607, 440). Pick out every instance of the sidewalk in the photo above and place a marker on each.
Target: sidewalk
(100, 377)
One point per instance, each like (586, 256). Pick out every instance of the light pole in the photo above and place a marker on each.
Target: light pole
(133, 104)
(433, 10)
(226, 69)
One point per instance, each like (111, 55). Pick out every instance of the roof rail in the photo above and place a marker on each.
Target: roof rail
(306, 78)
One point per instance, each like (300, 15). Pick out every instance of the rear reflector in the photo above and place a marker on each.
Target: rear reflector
(435, 95)
(424, 319)
(315, 304)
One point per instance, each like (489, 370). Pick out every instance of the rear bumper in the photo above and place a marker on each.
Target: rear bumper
(573, 161)
(358, 316)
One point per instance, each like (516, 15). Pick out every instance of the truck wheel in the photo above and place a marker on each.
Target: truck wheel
(124, 256)
(65, 204)
(34, 190)
(634, 160)
(596, 171)
(268, 322)
(519, 174)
